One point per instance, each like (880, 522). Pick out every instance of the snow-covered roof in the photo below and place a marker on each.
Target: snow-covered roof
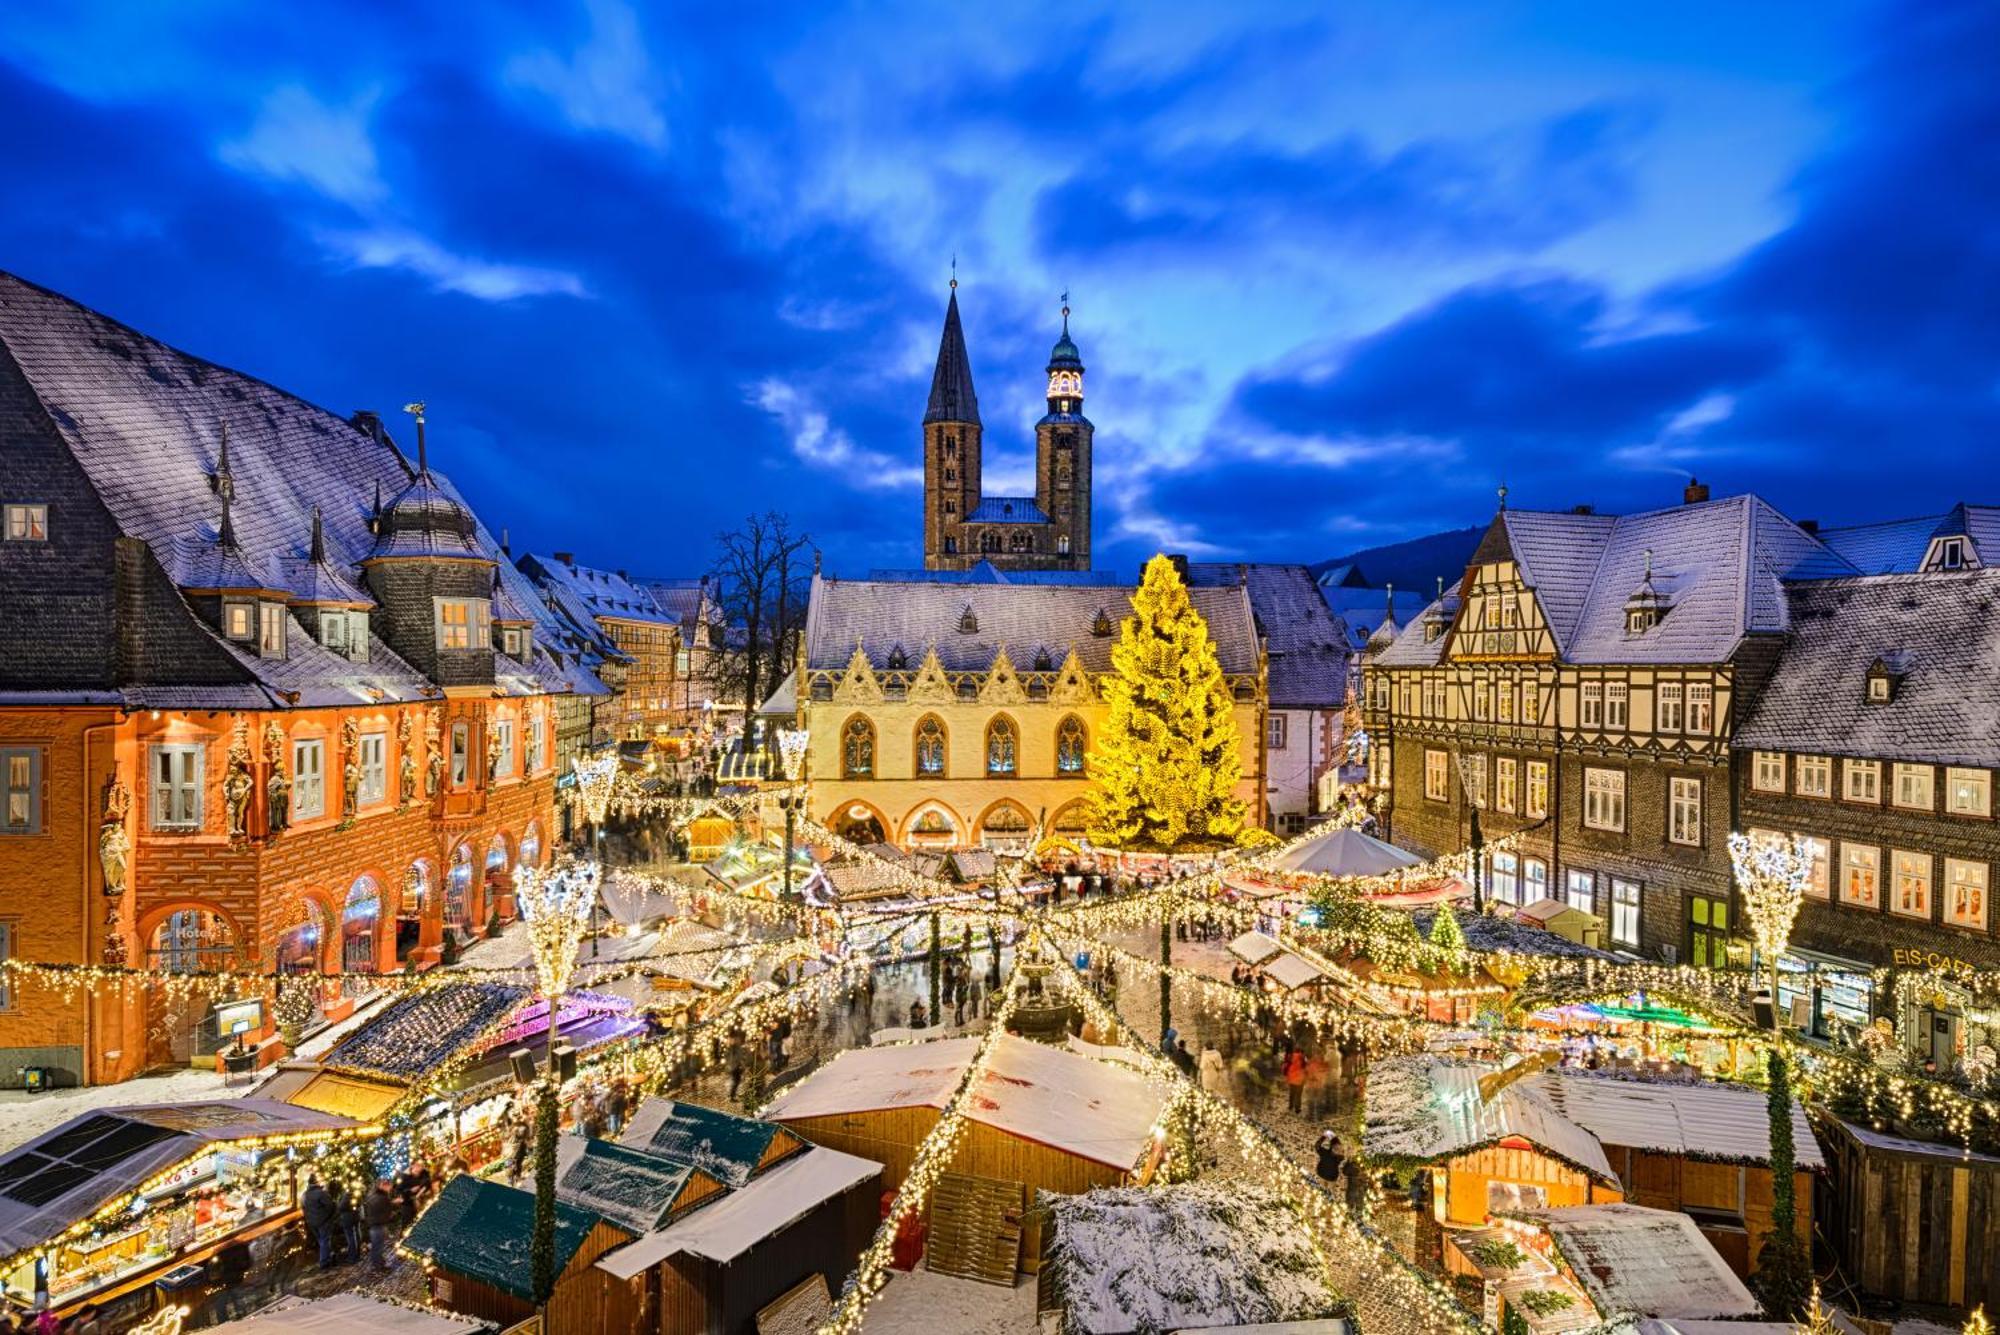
(633, 1189)
(1346, 851)
(1306, 641)
(1025, 619)
(1429, 1108)
(1877, 1140)
(1292, 972)
(1200, 1255)
(348, 1314)
(728, 1148)
(725, 1228)
(1088, 1108)
(1636, 1261)
(1254, 947)
(1702, 1120)
(607, 594)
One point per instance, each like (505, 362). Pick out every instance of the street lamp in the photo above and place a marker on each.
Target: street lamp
(792, 755)
(556, 905)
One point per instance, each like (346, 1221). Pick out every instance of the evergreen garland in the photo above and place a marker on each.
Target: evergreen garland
(1166, 980)
(1165, 765)
(1783, 1277)
(548, 1123)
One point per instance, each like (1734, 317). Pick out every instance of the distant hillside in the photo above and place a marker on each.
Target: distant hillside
(1414, 565)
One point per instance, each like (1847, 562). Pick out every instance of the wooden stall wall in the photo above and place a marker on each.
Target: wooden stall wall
(890, 1137)
(1670, 1182)
(1468, 1176)
(1918, 1225)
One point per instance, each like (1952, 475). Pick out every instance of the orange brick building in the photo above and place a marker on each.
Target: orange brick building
(271, 700)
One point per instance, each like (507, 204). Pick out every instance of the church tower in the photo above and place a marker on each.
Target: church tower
(1062, 456)
(951, 450)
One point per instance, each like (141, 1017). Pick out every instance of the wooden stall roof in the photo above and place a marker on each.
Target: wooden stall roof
(348, 1096)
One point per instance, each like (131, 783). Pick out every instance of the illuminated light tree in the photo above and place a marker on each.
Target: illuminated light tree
(1166, 763)
(1446, 934)
(1772, 874)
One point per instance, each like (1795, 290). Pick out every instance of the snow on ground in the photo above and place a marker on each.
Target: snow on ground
(921, 1303)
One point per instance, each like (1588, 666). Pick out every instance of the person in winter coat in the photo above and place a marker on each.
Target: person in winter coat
(1214, 1075)
(378, 1212)
(1331, 1159)
(317, 1209)
(1295, 1081)
(1316, 1075)
(347, 1222)
(1357, 1187)
(615, 1105)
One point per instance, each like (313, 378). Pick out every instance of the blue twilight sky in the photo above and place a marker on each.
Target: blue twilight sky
(1337, 270)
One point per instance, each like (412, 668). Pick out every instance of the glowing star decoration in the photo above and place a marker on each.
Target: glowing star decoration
(1773, 874)
(595, 779)
(556, 905)
(792, 751)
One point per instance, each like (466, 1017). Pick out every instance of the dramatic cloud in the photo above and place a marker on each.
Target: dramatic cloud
(299, 138)
(607, 84)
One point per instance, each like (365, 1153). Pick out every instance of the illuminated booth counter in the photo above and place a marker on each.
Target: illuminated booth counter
(112, 1199)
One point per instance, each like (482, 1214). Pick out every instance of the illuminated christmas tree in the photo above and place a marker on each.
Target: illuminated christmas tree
(1166, 762)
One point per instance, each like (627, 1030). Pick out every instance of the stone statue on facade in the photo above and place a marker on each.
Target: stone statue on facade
(350, 771)
(114, 846)
(236, 790)
(433, 755)
(278, 801)
(406, 786)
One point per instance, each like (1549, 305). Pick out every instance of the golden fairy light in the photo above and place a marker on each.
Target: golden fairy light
(595, 779)
(1773, 874)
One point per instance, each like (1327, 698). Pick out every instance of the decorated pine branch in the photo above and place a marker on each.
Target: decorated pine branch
(1167, 761)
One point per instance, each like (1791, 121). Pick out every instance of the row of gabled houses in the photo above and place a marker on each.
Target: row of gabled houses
(1623, 692)
(273, 696)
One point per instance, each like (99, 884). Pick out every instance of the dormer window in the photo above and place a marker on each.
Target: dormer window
(1043, 662)
(1885, 678)
(898, 660)
(333, 631)
(239, 621)
(514, 642)
(271, 630)
(1950, 555)
(968, 621)
(1639, 620)
(1101, 627)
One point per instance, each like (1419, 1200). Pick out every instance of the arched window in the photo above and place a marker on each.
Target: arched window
(358, 920)
(930, 746)
(1002, 746)
(461, 754)
(857, 749)
(1072, 743)
(989, 542)
(458, 890)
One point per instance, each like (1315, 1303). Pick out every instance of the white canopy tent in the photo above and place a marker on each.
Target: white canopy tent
(1346, 852)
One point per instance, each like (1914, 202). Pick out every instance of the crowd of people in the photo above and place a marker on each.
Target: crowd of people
(341, 1224)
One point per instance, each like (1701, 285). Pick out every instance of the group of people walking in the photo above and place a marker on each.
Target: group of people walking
(337, 1219)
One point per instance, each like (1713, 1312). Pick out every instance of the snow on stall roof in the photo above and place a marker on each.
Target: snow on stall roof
(724, 1229)
(348, 1314)
(1877, 1140)
(1254, 947)
(1165, 1258)
(1429, 1108)
(633, 1189)
(1292, 972)
(726, 1147)
(1703, 1120)
(1637, 1261)
(1088, 1108)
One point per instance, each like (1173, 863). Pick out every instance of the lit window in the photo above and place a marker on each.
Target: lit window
(21, 772)
(1968, 792)
(1670, 719)
(1482, 701)
(1767, 774)
(238, 620)
(1591, 714)
(6, 975)
(537, 741)
(1274, 732)
(308, 779)
(503, 733)
(1506, 878)
(1616, 694)
(1437, 776)
(1912, 898)
(462, 623)
(374, 767)
(270, 630)
(27, 523)
(1474, 773)
(1861, 875)
(1538, 788)
(1604, 799)
(1624, 912)
(930, 746)
(1914, 787)
(461, 754)
(1813, 776)
(1504, 693)
(1580, 888)
(1701, 708)
(1862, 780)
(1534, 880)
(1002, 747)
(177, 787)
(1819, 862)
(1965, 893)
(857, 749)
(1506, 783)
(1531, 702)
(1072, 746)
(1684, 810)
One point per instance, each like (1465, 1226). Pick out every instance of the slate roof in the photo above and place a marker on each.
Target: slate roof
(881, 616)
(952, 398)
(145, 422)
(1945, 710)
(687, 601)
(484, 1230)
(1722, 565)
(1306, 642)
(985, 572)
(1898, 546)
(599, 593)
(1006, 510)
(1409, 648)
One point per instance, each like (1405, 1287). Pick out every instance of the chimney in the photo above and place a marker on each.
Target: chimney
(567, 558)
(365, 419)
(1696, 492)
(505, 548)
(1179, 561)
(1809, 525)
(1583, 510)
(627, 578)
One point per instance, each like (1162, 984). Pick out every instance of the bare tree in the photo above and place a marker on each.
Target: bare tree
(761, 571)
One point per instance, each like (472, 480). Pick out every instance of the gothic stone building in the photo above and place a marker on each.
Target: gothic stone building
(949, 715)
(269, 699)
(1049, 530)
(1581, 683)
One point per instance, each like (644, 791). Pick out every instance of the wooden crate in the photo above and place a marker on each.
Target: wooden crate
(976, 1228)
